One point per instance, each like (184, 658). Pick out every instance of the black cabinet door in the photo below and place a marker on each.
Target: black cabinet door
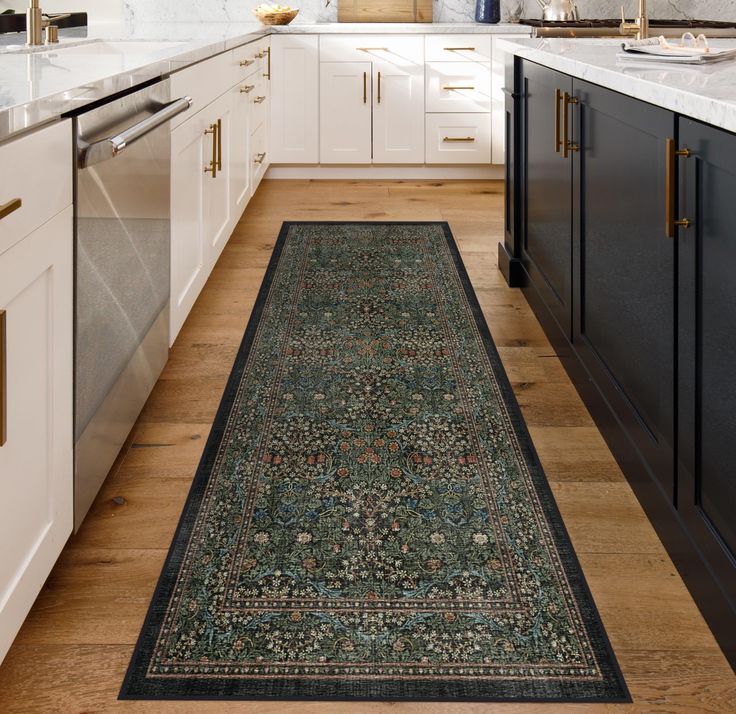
(707, 333)
(546, 191)
(624, 268)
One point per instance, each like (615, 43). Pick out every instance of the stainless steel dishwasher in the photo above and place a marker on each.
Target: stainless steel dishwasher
(122, 244)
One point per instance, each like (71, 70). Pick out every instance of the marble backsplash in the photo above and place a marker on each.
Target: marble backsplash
(444, 10)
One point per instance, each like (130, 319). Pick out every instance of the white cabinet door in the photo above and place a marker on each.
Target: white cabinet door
(191, 152)
(36, 467)
(239, 148)
(295, 99)
(345, 112)
(217, 215)
(398, 113)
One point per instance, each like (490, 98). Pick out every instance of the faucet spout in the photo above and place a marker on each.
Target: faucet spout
(639, 28)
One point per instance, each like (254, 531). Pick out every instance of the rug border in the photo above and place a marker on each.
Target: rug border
(135, 686)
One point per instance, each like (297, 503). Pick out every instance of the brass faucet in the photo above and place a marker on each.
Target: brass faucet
(37, 22)
(640, 27)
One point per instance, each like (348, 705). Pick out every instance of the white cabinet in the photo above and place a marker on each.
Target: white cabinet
(398, 113)
(36, 313)
(371, 100)
(345, 112)
(295, 99)
(458, 87)
(458, 138)
(213, 174)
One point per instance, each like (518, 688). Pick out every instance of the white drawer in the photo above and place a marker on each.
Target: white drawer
(458, 138)
(260, 101)
(251, 59)
(37, 169)
(458, 87)
(457, 48)
(399, 50)
(203, 82)
(259, 158)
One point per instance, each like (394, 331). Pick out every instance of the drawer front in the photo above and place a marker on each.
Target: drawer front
(251, 60)
(203, 82)
(259, 155)
(260, 102)
(37, 171)
(395, 49)
(458, 139)
(457, 48)
(458, 87)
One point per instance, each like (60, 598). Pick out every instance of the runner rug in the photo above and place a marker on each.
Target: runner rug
(369, 519)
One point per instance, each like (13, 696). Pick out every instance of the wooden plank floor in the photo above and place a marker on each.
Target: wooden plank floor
(73, 650)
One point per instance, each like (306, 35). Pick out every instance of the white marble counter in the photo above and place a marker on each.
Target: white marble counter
(707, 93)
(38, 87)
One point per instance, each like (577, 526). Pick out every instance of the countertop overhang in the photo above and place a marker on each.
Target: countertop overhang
(706, 93)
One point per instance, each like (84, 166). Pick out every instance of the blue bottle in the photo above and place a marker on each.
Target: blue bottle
(488, 11)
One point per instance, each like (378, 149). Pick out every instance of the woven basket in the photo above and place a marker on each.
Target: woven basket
(276, 18)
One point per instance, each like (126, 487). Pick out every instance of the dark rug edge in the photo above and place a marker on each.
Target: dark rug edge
(135, 686)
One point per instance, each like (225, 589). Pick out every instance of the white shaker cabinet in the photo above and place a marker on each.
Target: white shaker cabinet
(295, 100)
(36, 399)
(398, 113)
(345, 112)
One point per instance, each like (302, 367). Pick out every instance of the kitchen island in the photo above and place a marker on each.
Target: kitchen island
(620, 227)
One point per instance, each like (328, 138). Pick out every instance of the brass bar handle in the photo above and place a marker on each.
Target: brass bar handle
(365, 87)
(259, 158)
(10, 207)
(458, 138)
(212, 168)
(259, 55)
(219, 144)
(670, 198)
(449, 87)
(3, 379)
(558, 139)
(567, 144)
(379, 87)
(259, 100)
(373, 49)
(459, 49)
(267, 75)
(247, 88)
(246, 62)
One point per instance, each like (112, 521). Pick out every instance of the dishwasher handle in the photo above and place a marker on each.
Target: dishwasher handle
(109, 148)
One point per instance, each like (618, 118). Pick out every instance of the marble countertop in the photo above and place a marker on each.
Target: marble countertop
(707, 93)
(39, 86)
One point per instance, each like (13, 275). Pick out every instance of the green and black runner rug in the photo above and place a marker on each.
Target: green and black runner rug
(369, 519)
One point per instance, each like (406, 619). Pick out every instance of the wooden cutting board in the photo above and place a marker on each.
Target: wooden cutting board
(384, 11)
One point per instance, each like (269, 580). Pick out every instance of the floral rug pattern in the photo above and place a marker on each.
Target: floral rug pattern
(369, 519)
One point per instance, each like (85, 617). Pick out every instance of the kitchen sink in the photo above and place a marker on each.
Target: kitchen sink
(123, 47)
(96, 47)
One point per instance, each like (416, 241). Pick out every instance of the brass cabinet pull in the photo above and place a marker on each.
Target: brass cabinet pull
(558, 139)
(267, 75)
(3, 380)
(567, 145)
(372, 49)
(247, 88)
(379, 87)
(458, 138)
(212, 168)
(365, 87)
(670, 199)
(219, 144)
(259, 158)
(259, 55)
(246, 62)
(259, 100)
(459, 49)
(449, 87)
(10, 207)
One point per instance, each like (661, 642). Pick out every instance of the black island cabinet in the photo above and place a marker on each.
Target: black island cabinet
(621, 231)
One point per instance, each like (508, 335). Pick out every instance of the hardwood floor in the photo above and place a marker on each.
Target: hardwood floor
(73, 650)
